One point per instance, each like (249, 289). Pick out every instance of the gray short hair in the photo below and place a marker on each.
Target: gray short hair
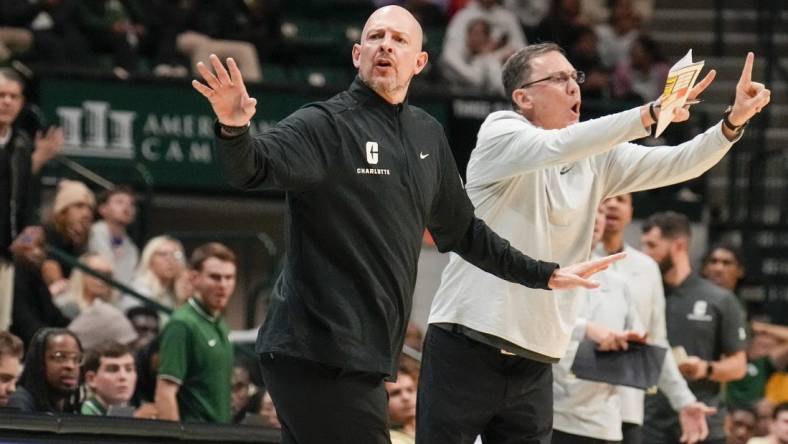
(518, 67)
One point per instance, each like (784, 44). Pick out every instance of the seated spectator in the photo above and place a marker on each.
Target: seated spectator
(641, 77)
(584, 56)
(67, 230)
(160, 265)
(402, 408)
(739, 425)
(145, 321)
(10, 365)
(477, 68)
(262, 404)
(241, 392)
(504, 28)
(617, 36)
(33, 308)
(764, 410)
(108, 236)
(722, 265)
(207, 27)
(110, 376)
(562, 23)
(114, 27)
(530, 13)
(50, 382)
(98, 320)
(778, 431)
(84, 288)
(194, 376)
(767, 354)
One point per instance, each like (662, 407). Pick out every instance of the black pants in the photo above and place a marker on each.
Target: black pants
(633, 433)
(560, 437)
(467, 389)
(321, 404)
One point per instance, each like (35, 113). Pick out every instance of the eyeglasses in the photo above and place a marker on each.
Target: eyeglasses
(560, 77)
(177, 255)
(62, 358)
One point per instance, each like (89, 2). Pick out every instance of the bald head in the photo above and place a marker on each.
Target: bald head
(396, 17)
(389, 53)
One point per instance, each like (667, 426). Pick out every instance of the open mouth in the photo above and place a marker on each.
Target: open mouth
(383, 63)
(575, 108)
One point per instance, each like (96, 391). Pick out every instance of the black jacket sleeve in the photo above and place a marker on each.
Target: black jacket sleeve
(289, 156)
(454, 227)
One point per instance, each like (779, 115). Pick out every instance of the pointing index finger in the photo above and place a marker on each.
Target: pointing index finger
(746, 73)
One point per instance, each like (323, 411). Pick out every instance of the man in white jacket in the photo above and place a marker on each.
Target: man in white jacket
(537, 176)
(645, 282)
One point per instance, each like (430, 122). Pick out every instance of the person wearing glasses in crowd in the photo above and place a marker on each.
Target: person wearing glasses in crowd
(536, 176)
(50, 382)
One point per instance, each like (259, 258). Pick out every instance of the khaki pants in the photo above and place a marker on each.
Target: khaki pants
(199, 46)
(6, 293)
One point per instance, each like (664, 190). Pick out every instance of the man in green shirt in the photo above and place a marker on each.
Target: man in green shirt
(196, 355)
(111, 376)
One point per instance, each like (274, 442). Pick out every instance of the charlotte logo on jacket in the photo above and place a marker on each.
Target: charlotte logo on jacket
(372, 152)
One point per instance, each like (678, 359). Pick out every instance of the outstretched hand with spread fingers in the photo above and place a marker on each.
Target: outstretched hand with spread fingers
(577, 275)
(225, 90)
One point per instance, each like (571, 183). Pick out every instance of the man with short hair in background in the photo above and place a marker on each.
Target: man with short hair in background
(109, 237)
(111, 376)
(196, 355)
(702, 318)
(10, 365)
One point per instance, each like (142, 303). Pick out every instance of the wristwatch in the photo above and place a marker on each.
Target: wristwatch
(232, 131)
(726, 121)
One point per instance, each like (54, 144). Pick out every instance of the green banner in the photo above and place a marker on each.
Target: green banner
(160, 130)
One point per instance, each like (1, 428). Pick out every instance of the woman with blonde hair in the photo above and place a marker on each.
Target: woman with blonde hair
(161, 263)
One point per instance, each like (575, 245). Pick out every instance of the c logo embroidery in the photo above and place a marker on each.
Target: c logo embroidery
(372, 153)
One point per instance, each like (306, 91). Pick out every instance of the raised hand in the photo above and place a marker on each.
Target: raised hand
(682, 114)
(751, 97)
(226, 92)
(577, 275)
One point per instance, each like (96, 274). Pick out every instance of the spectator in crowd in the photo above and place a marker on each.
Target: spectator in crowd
(778, 430)
(477, 69)
(589, 411)
(15, 37)
(147, 360)
(98, 320)
(584, 56)
(617, 36)
(642, 76)
(111, 377)
(158, 44)
(410, 358)
(764, 409)
(67, 230)
(109, 236)
(241, 386)
(115, 27)
(85, 288)
(196, 356)
(530, 13)
(645, 284)
(263, 28)
(206, 27)
(562, 24)
(145, 321)
(161, 263)
(427, 12)
(16, 182)
(10, 365)
(767, 354)
(402, 408)
(598, 11)
(703, 318)
(33, 308)
(723, 265)
(50, 381)
(739, 425)
(504, 30)
(268, 411)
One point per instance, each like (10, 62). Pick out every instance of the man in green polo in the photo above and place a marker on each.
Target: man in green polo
(196, 355)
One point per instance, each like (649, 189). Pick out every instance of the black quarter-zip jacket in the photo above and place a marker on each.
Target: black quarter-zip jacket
(363, 178)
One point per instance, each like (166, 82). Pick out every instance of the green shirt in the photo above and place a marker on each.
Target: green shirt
(92, 407)
(751, 388)
(197, 355)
